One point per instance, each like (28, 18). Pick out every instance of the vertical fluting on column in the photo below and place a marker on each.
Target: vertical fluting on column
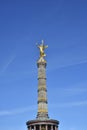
(42, 90)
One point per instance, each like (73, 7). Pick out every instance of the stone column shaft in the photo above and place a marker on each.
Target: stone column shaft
(51, 127)
(42, 91)
(34, 127)
(46, 127)
(30, 128)
(40, 127)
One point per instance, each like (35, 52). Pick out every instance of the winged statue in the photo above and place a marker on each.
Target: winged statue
(42, 47)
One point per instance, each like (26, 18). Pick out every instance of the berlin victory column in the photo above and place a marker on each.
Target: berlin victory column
(42, 121)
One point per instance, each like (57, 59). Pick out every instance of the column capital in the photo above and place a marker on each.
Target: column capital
(41, 61)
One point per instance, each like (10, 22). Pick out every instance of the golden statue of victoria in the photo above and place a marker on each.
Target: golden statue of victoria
(42, 47)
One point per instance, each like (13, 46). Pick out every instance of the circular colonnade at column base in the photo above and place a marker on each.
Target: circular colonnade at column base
(49, 124)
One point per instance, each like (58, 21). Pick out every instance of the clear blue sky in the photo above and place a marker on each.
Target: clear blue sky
(62, 24)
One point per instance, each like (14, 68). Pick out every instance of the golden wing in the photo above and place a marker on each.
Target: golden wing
(46, 46)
